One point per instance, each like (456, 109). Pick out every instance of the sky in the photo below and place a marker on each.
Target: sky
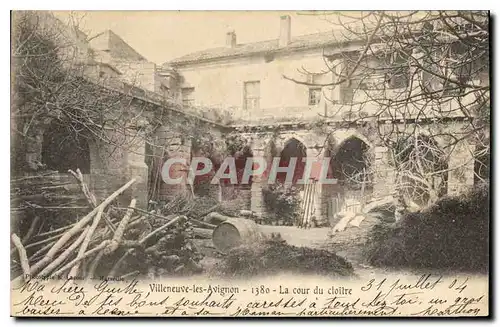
(164, 35)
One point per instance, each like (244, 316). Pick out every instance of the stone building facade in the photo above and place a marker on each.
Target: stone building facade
(272, 113)
(269, 109)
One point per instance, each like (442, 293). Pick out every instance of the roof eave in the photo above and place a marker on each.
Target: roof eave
(248, 54)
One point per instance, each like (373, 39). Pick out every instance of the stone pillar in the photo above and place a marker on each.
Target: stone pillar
(383, 172)
(257, 200)
(178, 147)
(461, 165)
(319, 212)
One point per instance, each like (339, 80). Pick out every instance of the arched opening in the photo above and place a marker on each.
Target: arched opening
(237, 196)
(293, 149)
(63, 149)
(350, 165)
(282, 200)
(201, 183)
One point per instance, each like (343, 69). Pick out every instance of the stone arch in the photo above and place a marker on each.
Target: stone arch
(293, 147)
(351, 167)
(282, 140)
(343, 135)
(282, 198)
(350, 161)
(238, 196)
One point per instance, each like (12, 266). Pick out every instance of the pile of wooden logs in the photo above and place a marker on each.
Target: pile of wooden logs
(71, 244)
(46, 190)
(110, 240)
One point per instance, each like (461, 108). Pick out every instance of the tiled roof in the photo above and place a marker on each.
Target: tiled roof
(302, 42)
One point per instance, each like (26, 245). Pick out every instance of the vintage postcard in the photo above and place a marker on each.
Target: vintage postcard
(250, 164)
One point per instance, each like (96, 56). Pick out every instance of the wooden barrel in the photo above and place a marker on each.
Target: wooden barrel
(235, 232)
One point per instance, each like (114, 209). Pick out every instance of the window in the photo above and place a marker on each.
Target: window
(314, 96)
(251, 95)
(188, 96)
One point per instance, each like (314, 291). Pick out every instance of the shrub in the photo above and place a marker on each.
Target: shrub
(282, 204)
(451, 235)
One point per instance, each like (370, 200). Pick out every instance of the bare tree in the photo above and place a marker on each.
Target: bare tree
(408, 75)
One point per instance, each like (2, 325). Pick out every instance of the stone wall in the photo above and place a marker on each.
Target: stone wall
(114, 164)
(383, 181)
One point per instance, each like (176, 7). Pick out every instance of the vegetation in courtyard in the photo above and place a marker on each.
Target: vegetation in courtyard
(276, 256)
(450, 235)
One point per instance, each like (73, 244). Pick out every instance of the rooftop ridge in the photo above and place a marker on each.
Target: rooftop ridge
(300, 42)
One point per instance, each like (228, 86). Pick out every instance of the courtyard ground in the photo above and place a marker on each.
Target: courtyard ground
(348, 244)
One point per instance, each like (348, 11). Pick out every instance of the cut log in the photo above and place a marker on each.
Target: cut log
(53, 265)
(235, 232)
(204, 233)
(74, 270)
(77, 260)
(209, 211)
(31, 231)
(23, 258)
(215, 218)
(117, 265)
(115, 242)
(72, 231)
(117, 237)
(202, 224)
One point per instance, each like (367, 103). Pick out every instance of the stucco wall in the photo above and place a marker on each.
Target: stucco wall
(221, 84)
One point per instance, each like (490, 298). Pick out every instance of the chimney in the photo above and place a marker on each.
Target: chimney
(285, 30)
(231, 39)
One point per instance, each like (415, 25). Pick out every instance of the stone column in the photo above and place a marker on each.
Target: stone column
(319, 212)
(461, 165)
(178, 147)
(257, 201)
